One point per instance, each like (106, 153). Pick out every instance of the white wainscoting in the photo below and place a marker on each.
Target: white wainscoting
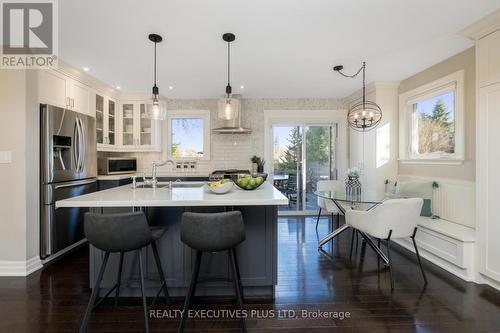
(449, 241)
(454, 200)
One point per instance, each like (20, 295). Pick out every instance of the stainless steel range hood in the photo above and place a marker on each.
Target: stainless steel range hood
(233, 126)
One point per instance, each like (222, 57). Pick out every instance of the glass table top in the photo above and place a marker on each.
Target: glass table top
(365, 201)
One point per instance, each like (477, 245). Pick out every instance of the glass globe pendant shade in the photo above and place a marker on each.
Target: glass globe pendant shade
(228, 108)
(157, 110)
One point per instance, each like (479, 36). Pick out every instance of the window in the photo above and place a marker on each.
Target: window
(188, 135)
(431, 122)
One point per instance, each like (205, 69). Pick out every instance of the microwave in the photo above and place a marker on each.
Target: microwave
(116, 165)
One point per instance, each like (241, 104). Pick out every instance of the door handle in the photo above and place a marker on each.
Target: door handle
(83, 182)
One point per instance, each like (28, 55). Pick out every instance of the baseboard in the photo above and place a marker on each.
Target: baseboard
(20, 268)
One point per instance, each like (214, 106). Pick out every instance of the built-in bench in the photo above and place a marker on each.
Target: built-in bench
(448, 238)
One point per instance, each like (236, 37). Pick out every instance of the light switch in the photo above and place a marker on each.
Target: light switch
(5, 157)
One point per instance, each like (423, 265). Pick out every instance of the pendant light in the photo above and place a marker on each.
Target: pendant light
(228, 106)
(364, 115)
(157, 110)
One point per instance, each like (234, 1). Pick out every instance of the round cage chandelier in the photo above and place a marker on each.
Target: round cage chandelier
(363, 115)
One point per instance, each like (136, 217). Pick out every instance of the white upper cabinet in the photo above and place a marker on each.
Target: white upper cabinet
(52, 88)
(105, 111)
(79, 94)
(488, 55)
(57, 89)
(137, 131)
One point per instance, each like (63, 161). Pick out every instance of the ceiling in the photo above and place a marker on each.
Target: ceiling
(283, 48)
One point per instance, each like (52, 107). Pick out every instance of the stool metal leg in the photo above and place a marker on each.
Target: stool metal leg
(317, 220)
(233, 253)
(144, 303)
(93, 297)
(191, 291)
(118, 280)
(237, 287)
(389, 257)
(160, 272)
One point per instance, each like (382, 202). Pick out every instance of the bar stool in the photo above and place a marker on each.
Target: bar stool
(120, 233)
(213, 232)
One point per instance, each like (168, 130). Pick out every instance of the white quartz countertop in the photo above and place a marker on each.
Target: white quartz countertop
(125, 196)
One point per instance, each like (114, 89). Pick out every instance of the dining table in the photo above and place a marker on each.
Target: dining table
(345, 201)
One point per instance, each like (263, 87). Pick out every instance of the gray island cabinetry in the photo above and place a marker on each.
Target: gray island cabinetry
(164, 206)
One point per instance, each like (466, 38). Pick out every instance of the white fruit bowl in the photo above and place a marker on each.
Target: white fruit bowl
(221, 189)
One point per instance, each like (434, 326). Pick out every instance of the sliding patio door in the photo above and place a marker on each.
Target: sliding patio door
(303, 154)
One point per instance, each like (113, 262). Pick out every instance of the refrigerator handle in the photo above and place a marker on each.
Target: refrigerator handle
(78, 183)
(76, 144)
(83, 141)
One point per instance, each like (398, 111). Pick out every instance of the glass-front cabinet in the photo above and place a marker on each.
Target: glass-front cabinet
(105, 110)
(99, 119)
(138, 131)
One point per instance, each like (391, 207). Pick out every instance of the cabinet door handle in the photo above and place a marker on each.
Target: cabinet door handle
(72, 102)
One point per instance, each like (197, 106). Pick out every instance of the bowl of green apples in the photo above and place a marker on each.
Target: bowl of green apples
(249, 182)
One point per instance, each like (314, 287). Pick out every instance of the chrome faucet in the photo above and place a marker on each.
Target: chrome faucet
(154, 180)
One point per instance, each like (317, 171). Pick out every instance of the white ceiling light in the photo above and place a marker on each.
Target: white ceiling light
(118, 87)
(242, 87)
(170, 87)
(86, 69)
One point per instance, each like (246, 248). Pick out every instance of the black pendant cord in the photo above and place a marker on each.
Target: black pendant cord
(363, 68)
(228, 87)
(364, 80)
(155, 66)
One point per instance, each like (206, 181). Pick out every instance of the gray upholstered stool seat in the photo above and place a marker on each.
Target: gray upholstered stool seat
(213, 232)
(120, 233)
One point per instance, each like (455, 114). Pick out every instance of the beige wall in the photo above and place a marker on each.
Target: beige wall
(19, 192)
(13, 176)
(466, 171)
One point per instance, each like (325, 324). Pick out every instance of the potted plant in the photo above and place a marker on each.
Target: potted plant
(257, 164)
(255, 159)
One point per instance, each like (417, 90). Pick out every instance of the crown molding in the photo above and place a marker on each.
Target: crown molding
(483, 27)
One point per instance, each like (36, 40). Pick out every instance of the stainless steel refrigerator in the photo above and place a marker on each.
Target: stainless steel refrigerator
(68, 168)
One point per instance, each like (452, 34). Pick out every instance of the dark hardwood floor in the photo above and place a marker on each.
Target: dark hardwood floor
(54, 299)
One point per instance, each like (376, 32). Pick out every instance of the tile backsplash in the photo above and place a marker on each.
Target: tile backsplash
(229, 150)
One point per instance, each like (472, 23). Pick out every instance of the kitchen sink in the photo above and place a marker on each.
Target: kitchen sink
(173, 184)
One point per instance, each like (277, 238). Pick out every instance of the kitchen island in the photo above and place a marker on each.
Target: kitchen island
(164, 206)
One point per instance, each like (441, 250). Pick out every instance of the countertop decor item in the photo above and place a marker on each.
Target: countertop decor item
(257, 164)
(352, 184)
(220, 187)
(364, 115)
(157, 110)
(249, 183)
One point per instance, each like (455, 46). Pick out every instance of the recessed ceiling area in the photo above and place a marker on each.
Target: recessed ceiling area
(283, 48)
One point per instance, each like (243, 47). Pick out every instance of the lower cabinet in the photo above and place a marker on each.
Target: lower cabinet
(257, 256)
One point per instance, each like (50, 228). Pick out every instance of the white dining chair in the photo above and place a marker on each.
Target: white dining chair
(325, 204)
(396, 218)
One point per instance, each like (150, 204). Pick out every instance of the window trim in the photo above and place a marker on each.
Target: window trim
(172, 114)
(453, 82)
